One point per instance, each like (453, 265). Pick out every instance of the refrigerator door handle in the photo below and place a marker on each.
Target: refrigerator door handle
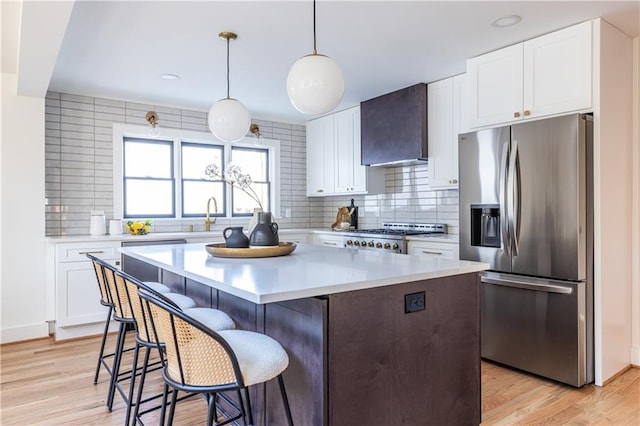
(503, 197)
(548, 288)
(513, 199)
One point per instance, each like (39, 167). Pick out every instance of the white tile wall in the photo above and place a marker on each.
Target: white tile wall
(407, 198)
(79, 164)
(78, 176)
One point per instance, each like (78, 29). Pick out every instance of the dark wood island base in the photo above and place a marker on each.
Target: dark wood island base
(356, 358)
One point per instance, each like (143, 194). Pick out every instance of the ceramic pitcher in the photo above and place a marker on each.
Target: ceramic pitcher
(265, 233)
(235, 238)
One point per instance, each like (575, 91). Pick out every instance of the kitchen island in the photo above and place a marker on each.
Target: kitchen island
(373, 338)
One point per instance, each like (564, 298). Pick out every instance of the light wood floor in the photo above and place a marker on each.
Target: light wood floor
(48, 383)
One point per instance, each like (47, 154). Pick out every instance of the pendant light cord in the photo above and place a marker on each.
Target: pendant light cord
(227, 68)
(315, 52)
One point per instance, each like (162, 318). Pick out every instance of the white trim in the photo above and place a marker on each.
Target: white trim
(25, 332)
(121, 131)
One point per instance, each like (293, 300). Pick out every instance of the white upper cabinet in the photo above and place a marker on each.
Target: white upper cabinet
(557, 71)
(446, 118)
(334, 157)
(544, 76)
(495, 86)
(320, 157)
(350, 175)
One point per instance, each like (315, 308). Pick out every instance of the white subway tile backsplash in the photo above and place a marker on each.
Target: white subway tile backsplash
(78, 176)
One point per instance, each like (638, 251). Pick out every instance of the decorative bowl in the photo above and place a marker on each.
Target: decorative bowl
(138, 227)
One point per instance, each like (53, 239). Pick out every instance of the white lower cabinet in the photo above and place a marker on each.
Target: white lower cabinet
(298, 238)
(447, 250)
(78, 311)
(328, 240)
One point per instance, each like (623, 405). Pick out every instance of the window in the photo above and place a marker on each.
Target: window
(255, 162)
(148, 187)
(195, 189)
(164, 178)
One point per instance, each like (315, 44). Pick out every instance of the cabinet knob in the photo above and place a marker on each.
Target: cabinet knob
(527, 112)
(453, 181)
(516, 114)
(319, 190)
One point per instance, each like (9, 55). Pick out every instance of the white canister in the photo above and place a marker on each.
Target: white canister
(98, 225)
(115, 227)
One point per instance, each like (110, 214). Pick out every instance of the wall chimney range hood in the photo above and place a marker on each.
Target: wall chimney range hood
(394, 127)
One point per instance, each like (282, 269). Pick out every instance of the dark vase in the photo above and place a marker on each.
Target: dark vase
(265, 233)
(235, 238)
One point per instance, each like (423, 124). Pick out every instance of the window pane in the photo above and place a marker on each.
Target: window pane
(197, 193)
(148, 198)
(244, 204)
(147, 159)
(195, 158)
(251, 161)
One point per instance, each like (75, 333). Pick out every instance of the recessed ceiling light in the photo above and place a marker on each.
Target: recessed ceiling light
(170, 76)
(506, 21)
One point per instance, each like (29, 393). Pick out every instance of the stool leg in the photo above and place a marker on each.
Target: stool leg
(285, 400)
(211, 408)
(143, 376)
(172, 409)
(132, 383)
(116, 364)
(104, 340)
(163, 408)
(249, 410)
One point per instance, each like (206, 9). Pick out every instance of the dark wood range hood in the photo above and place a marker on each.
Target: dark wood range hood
(394, 127)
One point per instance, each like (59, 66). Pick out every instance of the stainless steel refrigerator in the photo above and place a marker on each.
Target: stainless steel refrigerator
(526, 209)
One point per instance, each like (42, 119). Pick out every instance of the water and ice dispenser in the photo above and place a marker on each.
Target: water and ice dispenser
(485, 225)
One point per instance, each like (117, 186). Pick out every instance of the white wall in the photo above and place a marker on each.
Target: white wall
(22, 267)
(635, 230)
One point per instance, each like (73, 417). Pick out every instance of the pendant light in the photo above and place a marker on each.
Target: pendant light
(315, 84)
(229, 120)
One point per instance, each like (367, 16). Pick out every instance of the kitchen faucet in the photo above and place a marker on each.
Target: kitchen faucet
(208, 221)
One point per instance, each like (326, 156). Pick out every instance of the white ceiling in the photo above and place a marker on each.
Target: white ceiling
(119, 49)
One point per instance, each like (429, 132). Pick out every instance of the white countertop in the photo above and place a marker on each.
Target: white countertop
(309, 271)
(215, 235)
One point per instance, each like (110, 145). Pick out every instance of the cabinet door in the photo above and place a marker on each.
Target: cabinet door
(320, 157)
(557, 72)
(495, 87)
(440, 128)
(351, 176)
(78, 297)
(345, 151)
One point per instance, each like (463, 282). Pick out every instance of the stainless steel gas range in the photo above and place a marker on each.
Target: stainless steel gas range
(391, 237)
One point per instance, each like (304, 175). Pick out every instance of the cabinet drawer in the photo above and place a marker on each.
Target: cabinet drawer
(77, 252)
(446, 250)
(328, 240)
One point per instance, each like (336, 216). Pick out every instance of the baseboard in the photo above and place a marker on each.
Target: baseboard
(635, 356)
(26, 332)
(85, 330)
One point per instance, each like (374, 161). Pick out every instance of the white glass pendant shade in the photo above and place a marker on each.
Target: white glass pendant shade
(315, 84)
(229, 120)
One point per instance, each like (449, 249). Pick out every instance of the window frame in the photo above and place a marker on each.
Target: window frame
(171, 178)
(269, 182)
(178, 136)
